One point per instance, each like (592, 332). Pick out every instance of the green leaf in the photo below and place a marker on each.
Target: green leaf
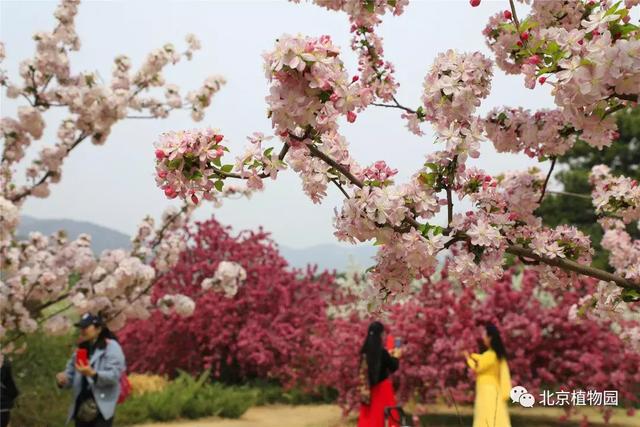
(197, 174)
(268, 151)
(219, 184)
(613, 9)
(174, 164)
(74, 278)
(392, 3)
(630, 295)
(324, 95)
(217, 162)
(370, 6)
(227, 168)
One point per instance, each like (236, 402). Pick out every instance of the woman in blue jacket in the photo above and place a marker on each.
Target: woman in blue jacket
(96, 384)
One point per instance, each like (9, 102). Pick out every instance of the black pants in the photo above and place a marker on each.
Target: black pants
(98, 422)
(4, 418)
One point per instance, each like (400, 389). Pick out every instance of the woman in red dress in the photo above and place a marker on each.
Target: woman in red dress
(376, 390)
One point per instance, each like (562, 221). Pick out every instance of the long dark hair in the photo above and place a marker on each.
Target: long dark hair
(372, 351)
(496, 341)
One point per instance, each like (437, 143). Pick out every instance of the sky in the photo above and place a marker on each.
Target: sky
(113, 185)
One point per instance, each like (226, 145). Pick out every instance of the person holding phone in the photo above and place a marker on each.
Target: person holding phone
(93, 373)
(376, 389)
(493, 380)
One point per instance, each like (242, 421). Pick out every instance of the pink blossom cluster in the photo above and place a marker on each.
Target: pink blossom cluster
(310, 90)
(186, 161)
(310, 86)
(257, 160)
(544, 133)
(615, 196)
(505, 215)
(378, 173)
(624, 251)
(43, 271)
(590, 49)
(94, 106)
(455, 85)
(228, 277)
(375, 72)
(181, 304)
(363, 13)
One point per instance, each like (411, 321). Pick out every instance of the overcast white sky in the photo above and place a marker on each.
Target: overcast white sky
(113, 185)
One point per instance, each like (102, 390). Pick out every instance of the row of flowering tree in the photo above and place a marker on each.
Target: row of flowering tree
(45, 280)
(304, 329)
(588, 51)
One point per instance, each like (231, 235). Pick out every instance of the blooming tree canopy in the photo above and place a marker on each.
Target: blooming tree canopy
(589, 51)
(43, 277)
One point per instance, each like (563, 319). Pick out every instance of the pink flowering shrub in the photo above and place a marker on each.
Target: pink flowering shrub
(262, 331)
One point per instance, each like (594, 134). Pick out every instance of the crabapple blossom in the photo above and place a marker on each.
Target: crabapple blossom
(585, 51)
(44, 271)
(615, 196)
(228, 276)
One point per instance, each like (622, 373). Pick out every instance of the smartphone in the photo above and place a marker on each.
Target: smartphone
(82, 357)
(397, 343)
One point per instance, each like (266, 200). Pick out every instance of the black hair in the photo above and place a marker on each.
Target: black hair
(496, 341)
(372, 350)
(104, 335)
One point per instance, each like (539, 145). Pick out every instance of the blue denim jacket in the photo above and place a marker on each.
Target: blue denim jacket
(109, 363)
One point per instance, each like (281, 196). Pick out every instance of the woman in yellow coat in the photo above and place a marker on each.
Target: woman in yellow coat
(493, 381)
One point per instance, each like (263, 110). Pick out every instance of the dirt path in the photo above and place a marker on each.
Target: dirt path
(330, 416)
(270, 416)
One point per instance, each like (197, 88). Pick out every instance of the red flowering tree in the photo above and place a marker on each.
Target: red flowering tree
(547, 351)
(282, 325)
(262, 331)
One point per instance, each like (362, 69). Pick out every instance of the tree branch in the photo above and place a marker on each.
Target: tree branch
(514, 15)
(343, 170)
(627, 97)
(340, 187)
(566, 264)
(513, 249)
(546, 181)
(49, 173)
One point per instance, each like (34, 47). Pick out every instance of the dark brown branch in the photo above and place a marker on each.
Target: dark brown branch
(160, 233)
(341, 188)
(627, 97)
(546, 181)
(328, 160)
(514, 15)
(28, 191)
(566, 264)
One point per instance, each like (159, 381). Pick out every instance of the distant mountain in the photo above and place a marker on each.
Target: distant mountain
(326, 256)
(101, 237)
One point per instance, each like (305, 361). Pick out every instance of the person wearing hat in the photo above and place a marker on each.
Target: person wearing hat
(94, 379)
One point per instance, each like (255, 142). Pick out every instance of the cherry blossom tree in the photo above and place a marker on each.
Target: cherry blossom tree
(44, 277)
(589, 51)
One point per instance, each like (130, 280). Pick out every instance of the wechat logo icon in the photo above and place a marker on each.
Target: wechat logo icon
(520, 395)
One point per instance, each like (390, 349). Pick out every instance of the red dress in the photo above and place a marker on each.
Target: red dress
(372, 415)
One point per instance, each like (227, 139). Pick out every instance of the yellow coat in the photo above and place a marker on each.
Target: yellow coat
(493, 384)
